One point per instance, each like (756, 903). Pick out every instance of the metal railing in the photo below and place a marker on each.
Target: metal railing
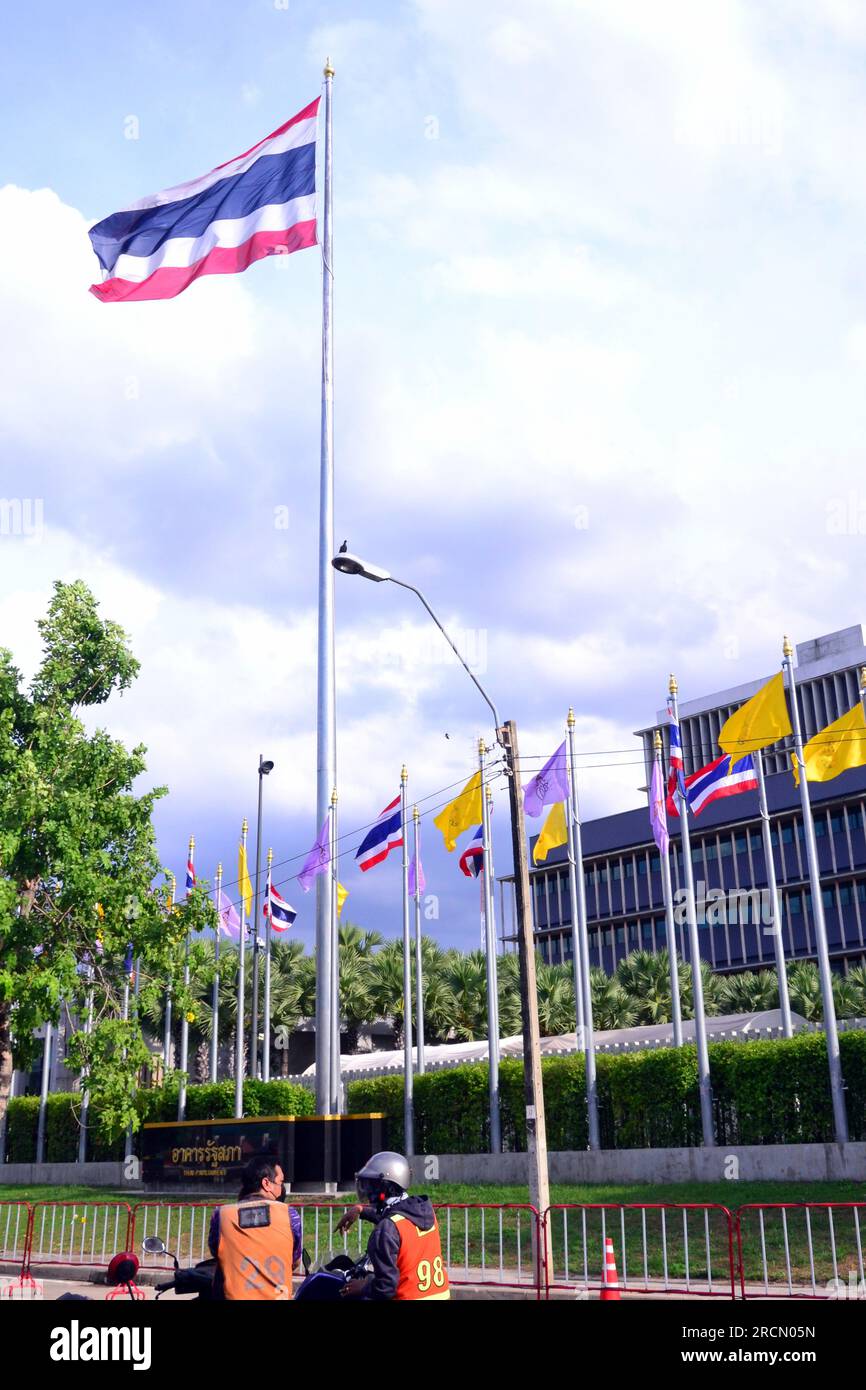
(14, 1230)
(659, 1247)
(78, 1233)
(760, 1250)
(801, 1249)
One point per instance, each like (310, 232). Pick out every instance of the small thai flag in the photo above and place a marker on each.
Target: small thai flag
(472, 858)
(281, 913)
(675, 764)
(190, 875)
(262, 203)
(725, 776)
(385, 835)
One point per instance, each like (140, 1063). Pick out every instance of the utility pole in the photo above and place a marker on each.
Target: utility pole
(536, 1132)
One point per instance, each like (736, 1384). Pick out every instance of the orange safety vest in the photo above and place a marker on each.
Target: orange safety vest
(256, 1261)
(420, 1267)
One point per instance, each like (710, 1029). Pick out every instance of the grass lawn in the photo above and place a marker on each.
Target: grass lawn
(800, 1248)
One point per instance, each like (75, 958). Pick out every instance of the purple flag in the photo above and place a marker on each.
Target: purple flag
(548, 785)
(318, 858)
(416, 885)
(658, 818)
(230, 922)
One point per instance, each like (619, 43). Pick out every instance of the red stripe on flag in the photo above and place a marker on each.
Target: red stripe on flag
(169, 281)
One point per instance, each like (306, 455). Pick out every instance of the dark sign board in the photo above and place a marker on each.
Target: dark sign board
(310, 1149)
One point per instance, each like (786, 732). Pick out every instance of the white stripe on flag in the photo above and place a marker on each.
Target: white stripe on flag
(179, 252)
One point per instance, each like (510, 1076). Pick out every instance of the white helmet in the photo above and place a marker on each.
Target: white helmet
(385, 1175)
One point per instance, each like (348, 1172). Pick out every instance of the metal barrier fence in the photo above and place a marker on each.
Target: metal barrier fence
(801, 1249)
(660, 1247)
(15, 1220)
(783, 1249)
(183, 1226)
(78, 1233)
(482, 1243)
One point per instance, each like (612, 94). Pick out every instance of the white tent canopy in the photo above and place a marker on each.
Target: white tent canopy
(724, 1028)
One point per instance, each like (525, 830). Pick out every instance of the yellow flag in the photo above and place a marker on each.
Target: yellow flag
(342, 895)
(244, 878)
(554, 832)
(759, 722)
(841, 745)
(463, 811)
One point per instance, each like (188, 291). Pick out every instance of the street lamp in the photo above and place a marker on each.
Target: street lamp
(506, 735)
(265, 767)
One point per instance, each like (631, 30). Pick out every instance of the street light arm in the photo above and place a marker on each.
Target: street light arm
(475, 681)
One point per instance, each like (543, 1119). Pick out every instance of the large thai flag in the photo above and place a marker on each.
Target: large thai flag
(386, 834)
(726, 776)
(263, 203)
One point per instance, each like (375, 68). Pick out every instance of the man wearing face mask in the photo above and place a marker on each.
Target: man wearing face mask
(256, 1240)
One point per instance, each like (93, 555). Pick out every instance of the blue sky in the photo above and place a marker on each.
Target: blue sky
(600, 358)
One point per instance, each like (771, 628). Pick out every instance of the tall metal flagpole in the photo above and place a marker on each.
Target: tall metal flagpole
(239, 1026)
(215, 988)
(166, 1047)
(266, 1045)
(408, 1090)
(326, 729)
(136, 965)
(490, 961)
(778, 941)
(184, 1027)
(670, 931)
(706, 1094)
(831, 1032)
(576, 852)
(85, 1097)
(575, 929)
(489, 868)
(336, 1104)
(43, 1093)
(419, 968)
(254, 1011)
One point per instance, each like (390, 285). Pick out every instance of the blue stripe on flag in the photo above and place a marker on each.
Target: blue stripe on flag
(274, 178)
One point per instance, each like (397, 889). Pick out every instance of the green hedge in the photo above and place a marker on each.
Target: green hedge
(764, 1092)
(209, 1102)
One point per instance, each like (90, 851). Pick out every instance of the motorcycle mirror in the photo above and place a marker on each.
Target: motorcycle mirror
(154, 1245)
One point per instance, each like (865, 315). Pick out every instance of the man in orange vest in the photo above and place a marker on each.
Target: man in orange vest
(256, 1240)
(404, 1247)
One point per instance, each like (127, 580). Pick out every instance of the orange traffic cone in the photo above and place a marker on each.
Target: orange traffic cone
(609, 1276)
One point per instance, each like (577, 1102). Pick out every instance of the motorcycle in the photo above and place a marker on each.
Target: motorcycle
(326, 1282)
(198, 1280)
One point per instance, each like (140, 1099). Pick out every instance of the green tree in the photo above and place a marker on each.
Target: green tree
(79, 874)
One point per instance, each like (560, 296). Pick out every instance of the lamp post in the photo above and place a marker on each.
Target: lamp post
(506, 736)
(265, 767)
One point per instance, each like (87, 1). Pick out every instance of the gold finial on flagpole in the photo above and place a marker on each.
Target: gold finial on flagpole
(863, 677)
(570, 721)
(328, 70)
(787, 649)
(245, 827)
(672, 684)
(482, 747)
(334, 797)
(416, 814)
(270, 857)
(657, 741)
(404, 773)
(191, 845)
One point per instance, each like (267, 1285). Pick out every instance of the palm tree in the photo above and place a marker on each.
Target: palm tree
(645, 977)
(750, 992)
(556, 1014)
(857, 978)
(466, 977)
(612, 1007)
(804, 987)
